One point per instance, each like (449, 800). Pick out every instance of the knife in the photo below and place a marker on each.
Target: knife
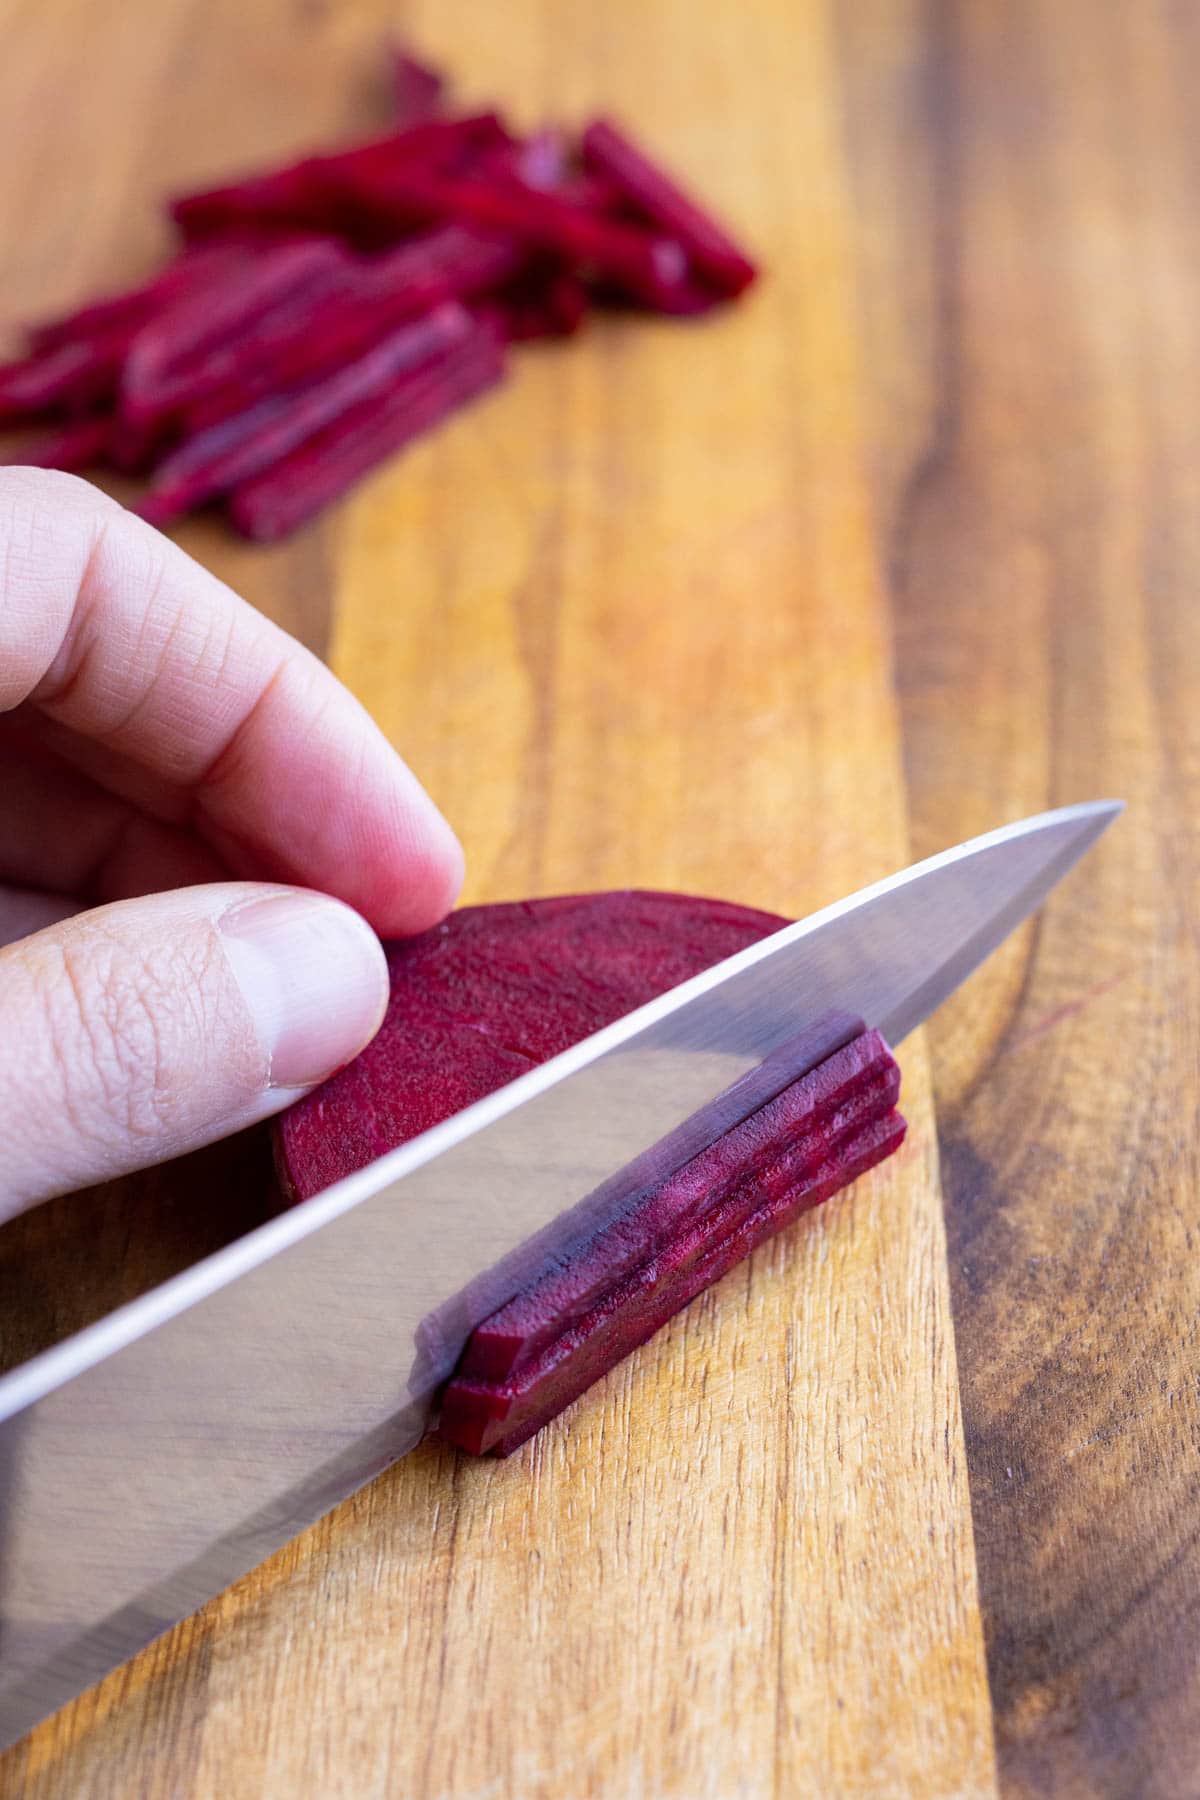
(151, 1459)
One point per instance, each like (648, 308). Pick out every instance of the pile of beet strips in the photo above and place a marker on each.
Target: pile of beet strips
(319, 316)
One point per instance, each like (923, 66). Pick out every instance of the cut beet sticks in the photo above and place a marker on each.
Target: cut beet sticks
(494, 991)
(303, 481)
(279, 354)
(233, 452)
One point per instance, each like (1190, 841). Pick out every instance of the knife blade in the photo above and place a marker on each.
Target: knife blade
(149, 1460)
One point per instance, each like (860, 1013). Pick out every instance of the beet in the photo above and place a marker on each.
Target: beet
(417, 89)
(496, 990)
(318, 192)
(491, 993)
(495, 1418)
(277, 318)
(317, 332)
(239, 448)
(78, 445)
(654, 197)
(300, 483)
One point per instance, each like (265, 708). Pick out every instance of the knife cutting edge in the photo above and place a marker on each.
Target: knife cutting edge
(152, 1458)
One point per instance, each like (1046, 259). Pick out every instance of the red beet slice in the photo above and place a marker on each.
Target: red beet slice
(495, 1418)
(490, 993)
(301, 483)
(131, 308)
(318, 330)
(494, 991)
(319, 193)
(80, 445)
(652, 194)
(68, 378)
(159, 373)
(238, 449)
(293, 281)
(650, 267)
(753, 1164)
(417, 89)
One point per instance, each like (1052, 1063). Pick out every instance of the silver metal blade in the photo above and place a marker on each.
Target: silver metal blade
(153, 1458)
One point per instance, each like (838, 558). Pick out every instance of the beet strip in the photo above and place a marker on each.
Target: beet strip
(128, 310)
(496, 1417)
(318, 192)
(80, 445)
(417, 89)
(69, 377)
(162, 353)
(313, 333)
(653, 269)
(226, 457)
(303, 482)
(754, 1160)
(607, 152)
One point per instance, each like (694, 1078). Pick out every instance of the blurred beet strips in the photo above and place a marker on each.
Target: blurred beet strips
(321, 315)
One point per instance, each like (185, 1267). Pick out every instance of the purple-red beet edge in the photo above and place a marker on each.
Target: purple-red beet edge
(492, 992)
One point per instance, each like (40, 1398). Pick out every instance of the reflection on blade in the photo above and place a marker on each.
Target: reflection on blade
(151, 1459)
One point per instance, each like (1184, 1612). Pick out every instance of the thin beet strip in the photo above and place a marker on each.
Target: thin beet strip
(417, 89)
(307, 479)
(319, 193)
(79, 445)
(497, 1417)
(609, 153)
(160, 370)
(70, 377)
(314, 332)
(235, 451)
(131, 308)
(651, 268)
(750, 1165)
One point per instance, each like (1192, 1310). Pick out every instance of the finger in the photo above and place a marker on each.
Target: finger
(22, 911)
(60, 831)
(140, 1030)
(119, 637)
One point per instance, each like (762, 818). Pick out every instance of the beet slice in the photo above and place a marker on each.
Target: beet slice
(160, 371)
(68, 377)
(319, 193)
(417, 89)
(490, 993)
(496, 990)
(495, 1418)
(656, 198)
(304, 481)
(753, 1164)
(79, 445)
(650, 267)
(315, 332)
(132, 307)
(240, 448)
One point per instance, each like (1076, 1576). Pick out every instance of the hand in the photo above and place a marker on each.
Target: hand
(176, 776)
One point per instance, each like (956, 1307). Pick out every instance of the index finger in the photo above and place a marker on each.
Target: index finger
(114, 633)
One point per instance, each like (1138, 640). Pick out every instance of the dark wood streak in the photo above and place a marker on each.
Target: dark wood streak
(1044, 561)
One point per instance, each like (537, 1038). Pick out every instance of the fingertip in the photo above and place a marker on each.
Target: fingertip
(428, 878)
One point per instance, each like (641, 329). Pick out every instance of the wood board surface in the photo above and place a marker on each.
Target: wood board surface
(900, 548)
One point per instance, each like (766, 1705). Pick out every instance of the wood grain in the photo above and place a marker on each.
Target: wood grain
(1028, 179)
(911, 534)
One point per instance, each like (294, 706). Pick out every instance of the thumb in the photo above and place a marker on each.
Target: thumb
(141, 1030)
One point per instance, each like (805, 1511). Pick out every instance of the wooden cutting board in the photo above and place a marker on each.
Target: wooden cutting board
(905, 546)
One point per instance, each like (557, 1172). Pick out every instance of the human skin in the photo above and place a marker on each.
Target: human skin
(202, 838)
